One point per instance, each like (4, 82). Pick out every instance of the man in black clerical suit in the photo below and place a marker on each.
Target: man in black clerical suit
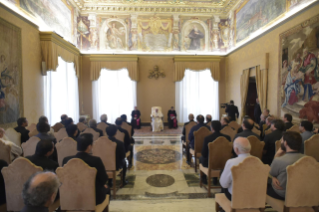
(127, 140)
(64, 117)
(247, 126)
(277, 127)
(208, 119)
(124, 119)
(93, 125)
(136, 120)
(191, 119)
(224, 122)
(172, 118)
(84, 146)
(215, 128)
(232, 111)
(41, 158)
(120, 152)
(72, 131)
(288, 121)
(257, 111)
(21, 128)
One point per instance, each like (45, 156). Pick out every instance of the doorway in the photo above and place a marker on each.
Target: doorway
(251, 98)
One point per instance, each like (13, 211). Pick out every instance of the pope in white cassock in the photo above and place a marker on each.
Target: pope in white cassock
(157, 122)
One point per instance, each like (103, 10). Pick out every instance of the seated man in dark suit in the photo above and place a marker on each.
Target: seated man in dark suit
(43, 129)
(64, 117)
(224, 122)
(191, 119)
(277, 128)
(72, 131)
(124, 119)
(247, 126)
(288, 121)
(41, 158)
(21, 128)
(127, 140)
(93, 125)
(215, 128)
(2, 187)
(120, 152)
(200, 121)
(68, 122)
(84, 146)
(208, 120)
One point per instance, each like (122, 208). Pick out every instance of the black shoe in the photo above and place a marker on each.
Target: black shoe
(215, 181)
(110, 183)
(125, 182)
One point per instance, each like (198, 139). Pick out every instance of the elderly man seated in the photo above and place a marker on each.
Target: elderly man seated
(157, 122)
(242, 149)
(16, 151)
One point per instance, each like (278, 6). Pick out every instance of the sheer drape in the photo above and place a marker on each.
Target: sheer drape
(197, 93)
(61, 93)
(114, 94)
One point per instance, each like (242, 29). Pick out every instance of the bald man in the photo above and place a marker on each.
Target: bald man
(39, 192)
(103, 118)
(191, 119)
(242, 149)
(247, 126)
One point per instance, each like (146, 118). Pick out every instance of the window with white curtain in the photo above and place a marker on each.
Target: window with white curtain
(61, 93)
(114, 94)
(197, 93)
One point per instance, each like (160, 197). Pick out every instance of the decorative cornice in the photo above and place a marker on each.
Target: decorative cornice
(197, 58)
(113, 58)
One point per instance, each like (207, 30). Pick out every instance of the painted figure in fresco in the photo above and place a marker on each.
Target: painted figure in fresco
(225, 30)
(113, 36)
(195, 35)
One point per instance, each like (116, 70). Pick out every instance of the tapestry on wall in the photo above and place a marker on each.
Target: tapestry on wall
(11, 99)
(299, 70)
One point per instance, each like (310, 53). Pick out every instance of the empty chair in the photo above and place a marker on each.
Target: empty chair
(199, 137)
(13, 136)
(102, 126)
(57, 127)
(249, 187)
(257, 146)
(95, 134)
(81, 126)
(227, 130)
(65, 148)
(294, 128)
(30, 146)
(5, 152)
(60, 134)
(234, 125)
(302, 190)
(31, 127)
(312, 147)
(220, 150)
(77, 192)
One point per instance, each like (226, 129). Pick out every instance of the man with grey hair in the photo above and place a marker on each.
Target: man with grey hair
(39, 192)
(93, 125)
(242, 149)
(103, 118)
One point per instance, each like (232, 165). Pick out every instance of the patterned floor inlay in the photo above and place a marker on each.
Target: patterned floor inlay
(158, 156)
(129, 178)
(192, 180)
(160, 180)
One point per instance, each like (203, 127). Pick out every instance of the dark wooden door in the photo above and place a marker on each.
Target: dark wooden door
(251, 98)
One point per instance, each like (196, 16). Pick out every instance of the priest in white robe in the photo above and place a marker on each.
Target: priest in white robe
(157, 122)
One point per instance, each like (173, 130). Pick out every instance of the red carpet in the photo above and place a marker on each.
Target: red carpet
(146, 130)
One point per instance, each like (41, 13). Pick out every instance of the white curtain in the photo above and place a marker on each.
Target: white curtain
(61, 93)
(114, 94)
(197, 93)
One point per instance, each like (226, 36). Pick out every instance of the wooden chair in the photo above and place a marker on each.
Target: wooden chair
(13, 136)
(227, 130)
(31, 127)
(294, 128)
(66, 147)
(268, 131)
(120, 136)
(302, 190)
(188, 128)
(95, 134)
(264, 127)
(77, 192)
(278, 145)
(82, 126)
(127, 127)
(102, 126)
(256, 131)
(57, 127)
(208, 124)
(249, 187)
(234, 125)
(199, 137)
(106, 150)
(29, 146)
(312, 147)
(5, 152)
(257, 146)
(33, 132)
(220, 150)
(60, 134)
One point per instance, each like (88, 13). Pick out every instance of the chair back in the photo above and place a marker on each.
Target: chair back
(102, 126)
(312, 147)
(303, 183)
(31, 127)
(128, 128)
(30, 146)
(265, 127)
(208, 124)
(77, 191)
(249, 178)
(154, 109)
(15, 175)
(234, 125)
(188, 128)
(294, 128)
(106, 150)
(257, 146)
(220, 150)
(227, 130)
(119, 136)
(199, 137)
(256, 131)
(13, 136)
(65, 148)
(278, 145)
(60, 134)
(268, 131)
(95, 134)
(81, 126)
(57, 127)
(5, 152)
(33, 132)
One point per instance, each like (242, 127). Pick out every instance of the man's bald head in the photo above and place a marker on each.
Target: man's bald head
(242, 145)
(103, 118)
(41, 189)
(191, 117)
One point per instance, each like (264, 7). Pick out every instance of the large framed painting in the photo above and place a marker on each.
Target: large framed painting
(299, 71)
(11, 97)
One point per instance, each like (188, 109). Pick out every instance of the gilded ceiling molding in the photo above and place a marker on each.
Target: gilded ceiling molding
(199, 58)
(113, 58)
